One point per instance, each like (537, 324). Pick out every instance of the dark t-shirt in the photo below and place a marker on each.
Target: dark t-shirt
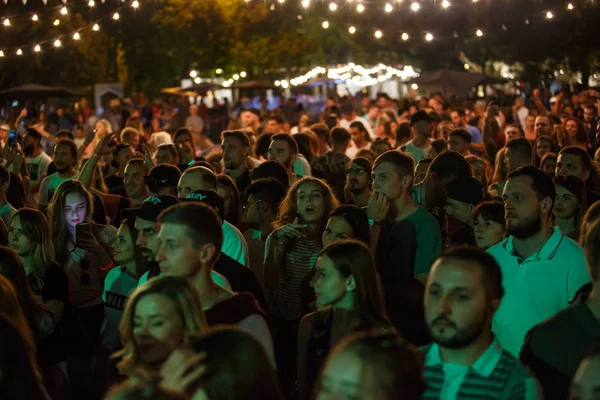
(241, 278)
(115, 185)
(56, 285)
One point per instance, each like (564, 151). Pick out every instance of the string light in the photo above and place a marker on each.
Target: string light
(34, 18)
(19, 52)
(76, 36)
(353, 74)
(414, 86)
(56, 22)
(243, 74)
(415, 6)
(325, 24)
(281, 1)
(236, 77)
(352, 30)
(64, 11)
(429, 37)
(96, 27)
(91, 3)
(479, 32)
(405, 36)
(445, 4)
(360, 7)
(219, 71)
(37, 48)
(389, 8)
(570, 7)
(332, 6)
(135, 4)
(378, 34)
(197, 80)
(549, 15)
(305, 3)
(57, 43)
(193, 73)
(6, 22)
(116, 16)
(1, 53)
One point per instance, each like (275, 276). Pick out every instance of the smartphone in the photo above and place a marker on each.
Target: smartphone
(82, 230)
(12, 139)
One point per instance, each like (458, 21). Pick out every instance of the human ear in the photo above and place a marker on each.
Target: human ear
(350, 284)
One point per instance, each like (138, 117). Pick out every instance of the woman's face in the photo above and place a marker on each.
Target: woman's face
(478, 169)
(571, 128)
(310, 202)
(75, 209)
(157, 328)
(586, 385)
(227, 196)
(542, 147)
(549, 166)
(337, 229)
(487, 232)
(329, 285)
(344, 378)
(123, 246)
(100, 130)
(565, 203)
(17, 240)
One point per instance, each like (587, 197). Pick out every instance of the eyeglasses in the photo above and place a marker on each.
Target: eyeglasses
(247, 205)
(156, 182)
(356, 171)
(85, 272)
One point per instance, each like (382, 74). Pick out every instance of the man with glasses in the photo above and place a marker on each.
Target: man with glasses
(358, 182)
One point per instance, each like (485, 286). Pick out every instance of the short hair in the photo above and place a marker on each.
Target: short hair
(136, 161)
(592, 250)
(403, 131)
(357, 219)
(322, 132)
(239, 134)
(490, 211)
(591, 107)
(439, 145)
(201, 221)
(269, 190)
(271, 169)
(292, 145)
(491, 273)
(63, 133)
(205, 164)
(363, 163)
(128, 132)
(277, 118)
(170, 147)
(72, 147)
(459, 111)
(4, 176)
(521, 146)
(340, 135)
(541, 182)
(450, 164)
(358, 125)
(181, 131)
(583, 155)
(34, 134)
(426, 160)
(261, 147)
(463, 134)
(206, 175)
(401, 161)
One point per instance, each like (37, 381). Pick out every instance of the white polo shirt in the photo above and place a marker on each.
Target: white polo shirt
(535, 288)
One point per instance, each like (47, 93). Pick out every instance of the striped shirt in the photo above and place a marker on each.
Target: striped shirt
(299, 257)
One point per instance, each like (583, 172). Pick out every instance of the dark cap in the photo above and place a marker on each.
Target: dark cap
(151, 208)
(465, 189)
(419, 116)
(210, 198)
(347, 109)
(161, 176)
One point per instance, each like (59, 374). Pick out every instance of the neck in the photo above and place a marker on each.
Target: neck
(340, 149)
(347, 302)
(323, 148)
(68, 173)
(360, 144)
(121, 171)
(593, 301)
(3, 200)
(467, 355)
(140, 198)
(208, 290)
(130, 268)
(27, 262)
(402, 207)
(36, 152)
(361, 198)
(528, 246)
(420, 140)
(314, 227)
(266, 228)
(566, 225)
(236, 172)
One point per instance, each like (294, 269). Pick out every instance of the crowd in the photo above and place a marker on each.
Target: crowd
(379, 251)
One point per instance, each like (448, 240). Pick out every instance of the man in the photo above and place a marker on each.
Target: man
(517, 154)
(575, 161)
(443, 129)
(349, 116)
(271, 169)
(236, 147)
(194, 122)
(460, 141)
(186, 148)
(421, 169)
(284, 150)
(542, 269)
(520, 112)
(331, 166)
(191, 237)
(37, 163)
(65, 159)
(163, 179)
(590, 118)
(372, 115)
(513, 132)
(421, 125)
(167, 154)
(459, 119)
(123, 153)
(131, 136)
(554, 348)
(358, 182)
(543, 126)
(133, 180)
(264, 198)
(250, 118)
(463, 195)
(360, 136)
(6, 209)
(275, 124)
(405, 238)
(201, 178)
(463, 292)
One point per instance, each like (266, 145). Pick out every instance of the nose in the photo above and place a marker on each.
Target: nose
(141, 241)
(161, 252)
(444, 306)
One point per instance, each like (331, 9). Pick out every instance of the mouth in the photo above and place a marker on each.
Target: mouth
(354, 182)
(164, 269)
(76, 220)
(442, 323)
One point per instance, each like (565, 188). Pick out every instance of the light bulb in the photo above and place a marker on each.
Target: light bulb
(96, 27)
(76, 36)
(445, 4)
(360, 8)
(193, 73)
(197, 80)
(352, 30)
(243, 74)
(325, 24)
(405, 36)
(570, 7)
(6, 22)
(35, 17)
(37, 48)
(91, 3)
(332, 6)
(135, 4)
(388, 8)
(1, 53)
(429, 37)
(19, 52)
(549, 15)
(378, 34)
(236, 77)
(57, 43)
(415, 6)
(219, 71)
(64, 11)
(479, 33)
(116, 16)
(305, 3)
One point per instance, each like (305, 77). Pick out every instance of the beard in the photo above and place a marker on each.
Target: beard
(462, 337)
(356, 187)
(525, 228)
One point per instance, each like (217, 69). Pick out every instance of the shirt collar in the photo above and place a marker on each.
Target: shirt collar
(484, 366)
(547, 252)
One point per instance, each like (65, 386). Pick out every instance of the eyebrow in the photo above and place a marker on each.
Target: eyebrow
(312, 191)
(76, 205)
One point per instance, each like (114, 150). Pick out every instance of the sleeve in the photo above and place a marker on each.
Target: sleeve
(429, 246)
(44, 200)
(111, 277)
(234, 244)
(257, 326)
(56, 285)
(533, 391)
(43, 168)
(578, 275)
(476, 135)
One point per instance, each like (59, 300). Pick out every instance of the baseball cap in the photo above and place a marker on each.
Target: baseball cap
(210, 198)
(465, 189)
(150, 208)
(161, 176)
(419, 116)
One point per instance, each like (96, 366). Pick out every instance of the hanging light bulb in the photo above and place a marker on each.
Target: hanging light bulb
(479, 32)
(57, 43)
(360, 7)
(415, 6)
(6, 22)
(37, 48)
(388, 8)
(325, 24)
(405, 36)
(96, 27)
(332, 6)
(549, 15)
(243, 74)
(352, 30)
(429, 37)
(219, 71)
(305, 3)
(56, 22)
(135, 4)
(236, 77)
(116, 16)
(193, 73)
(197, 80)
(76, 36)
(91, 3)
(19, 52)
(570, 6)
(445, 4)
(378, 34)
(35, 18)
(64, 11)
(1, 53)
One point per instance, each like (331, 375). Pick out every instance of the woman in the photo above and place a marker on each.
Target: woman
(159, 316)
(45, 326)
(569, 204)
(347, 222)
(575, 133)
(543, 145)
(591, 216)
(548, 163)
(489, 223)
(84, 251)
(479, 169)
(29, 237)
(234, 212)
(349, 297)
(225, 363)
(19, 375)
(372, 365)
(121, 281)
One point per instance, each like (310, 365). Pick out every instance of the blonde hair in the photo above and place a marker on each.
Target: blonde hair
(107, 125)
(186, 301)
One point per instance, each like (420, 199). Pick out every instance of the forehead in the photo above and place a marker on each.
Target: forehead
(62, 148)
(135, 168)
(16, 222)
(451, 273)
(153, 303)
(123, 230)
(74, 198)
(309, 187)
(385, 168)
(541, 120)
(141, 224)
(340, 225)
(521, 184)
(279, 145)
(173, 231)
(569, 159)
(232, 140)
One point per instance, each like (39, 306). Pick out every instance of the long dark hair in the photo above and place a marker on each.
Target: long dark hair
(357, 219)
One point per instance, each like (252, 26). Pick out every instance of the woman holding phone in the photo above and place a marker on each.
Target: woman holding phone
(84, 249)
